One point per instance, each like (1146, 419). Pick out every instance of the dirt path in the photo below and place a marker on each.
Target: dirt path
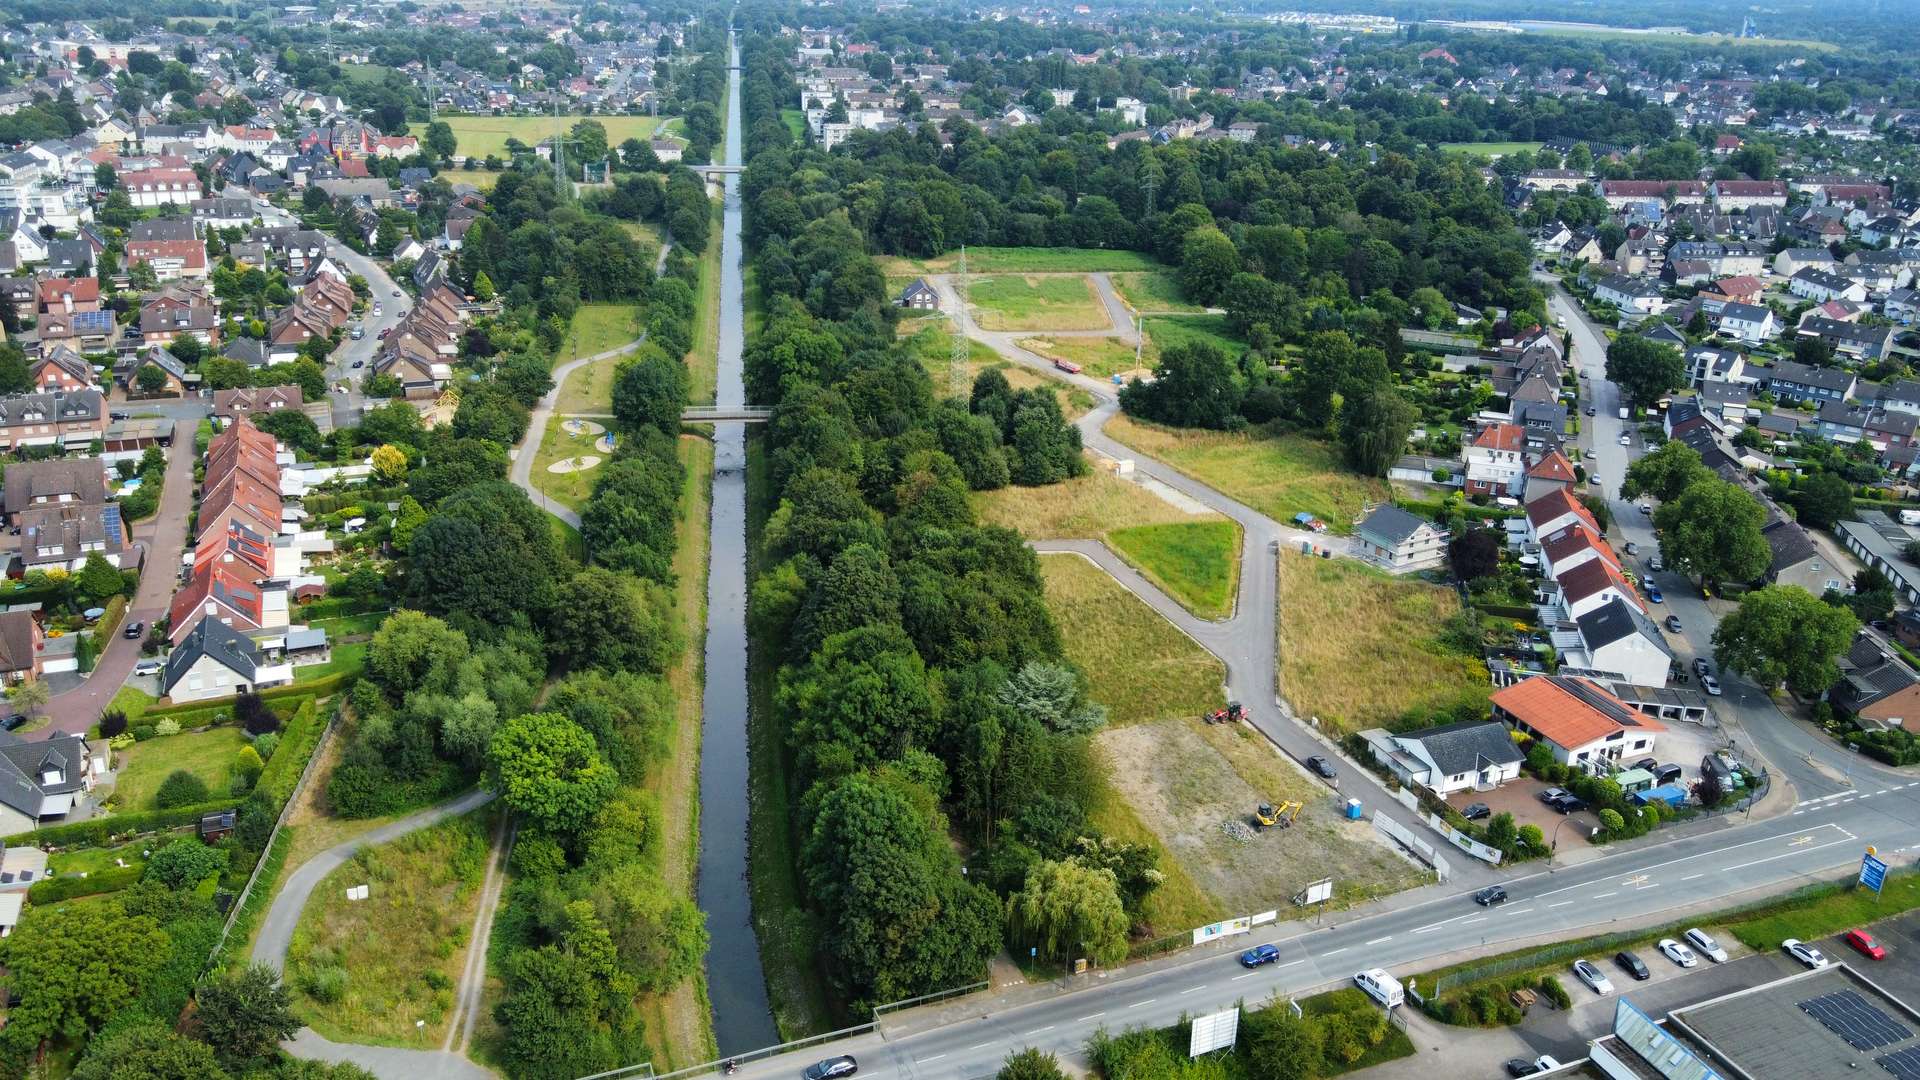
(473, 980)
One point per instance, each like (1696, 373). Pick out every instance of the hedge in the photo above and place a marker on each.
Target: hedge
(56, 889)
(96, 830)
(116, 610)
(297, 739)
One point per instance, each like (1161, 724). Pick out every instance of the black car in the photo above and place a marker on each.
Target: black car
(1521, 1067)
(116, 416)
(1667, 774)
(832, 1068)
(135, 629)
(1491, 895)
(1321, 767)
(1631, 964)
(1567, 804)
(1476, 811)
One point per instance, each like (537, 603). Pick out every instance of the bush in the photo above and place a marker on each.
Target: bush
(112, 879)
(112, 723)
(168, 726)
(326, 985)
(1552, 990)
(266, 744)
(254, 715)
(142, 732)
(180, 788)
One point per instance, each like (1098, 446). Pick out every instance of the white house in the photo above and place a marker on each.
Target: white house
(215, 661)
(1474, 755)
(1398, 541)
(1581, 721)
(1619, 639)
(1713, 364)
(1633, 296)
(1821, 286)
(1496, 460)
(1749, 323)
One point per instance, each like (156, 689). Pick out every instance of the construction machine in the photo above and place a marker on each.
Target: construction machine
(1267, 815)
(1232, 714)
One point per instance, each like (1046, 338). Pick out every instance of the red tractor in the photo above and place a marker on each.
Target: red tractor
(1233, 713)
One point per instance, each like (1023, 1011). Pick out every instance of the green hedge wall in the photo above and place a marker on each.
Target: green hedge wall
(56, 889)
(96, 830)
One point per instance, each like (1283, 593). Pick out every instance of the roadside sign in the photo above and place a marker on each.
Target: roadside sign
(1873, 872)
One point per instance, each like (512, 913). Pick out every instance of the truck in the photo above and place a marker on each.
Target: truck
(1067, 366)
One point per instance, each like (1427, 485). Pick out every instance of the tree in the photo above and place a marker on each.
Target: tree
(1712, 532)
(245, 1016)
(99, 579)
(413, 651)
(1373, 428)
(1067, 910)
(1784, 634)
(483, 287)
(651, 390)
(1872, 596)
(613, 622)
(255, 715)
(1208, 261)
(390, 463)
(73, 967)
(1053, 695)
(1645, 369)
(148, 1051)
(547, 767)
(589, 138)
(1194, 386)
(1475, 553)
(180, 788)
(1665, 472)
(1813, 352)
(1281, 1046)
(29, 697)
(406, 521)
(1825, 500)
(1031, 1064)
(439, 140)
(184, 863)
(1502, 833)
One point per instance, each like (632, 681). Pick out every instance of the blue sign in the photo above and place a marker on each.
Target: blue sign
(1873, 872)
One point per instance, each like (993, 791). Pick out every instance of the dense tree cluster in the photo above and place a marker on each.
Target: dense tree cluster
(923, 688)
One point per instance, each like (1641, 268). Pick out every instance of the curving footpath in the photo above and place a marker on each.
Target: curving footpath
(276, 934)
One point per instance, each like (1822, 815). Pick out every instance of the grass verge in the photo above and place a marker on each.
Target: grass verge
(703, 357)
(933, 343)
(1339, 617)
(1277, 473)
(1195, 562)
(1155, 290)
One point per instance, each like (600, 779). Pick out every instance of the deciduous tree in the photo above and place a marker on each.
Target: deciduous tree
(1712, 532)
(545, 766)
(1784, 634)
(1644, 368)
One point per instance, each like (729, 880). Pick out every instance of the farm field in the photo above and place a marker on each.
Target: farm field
(1036, 302)
(1339, 616)
(1155, 290)
(1279, 475)
(480, 136)
(367, 970)
(1022, 260)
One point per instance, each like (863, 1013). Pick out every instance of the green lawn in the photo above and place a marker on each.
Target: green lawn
(1025, 260)
(347, 656)
(365, 73)
(1279, 475)
(597, 328)
(480, 136)
(1036, 302)
(1155, 290)
(93, 860)
(1099, 357)
(1194, 561)
(572, 488)
(796, 122)
(397, 955)
(1840, 910)
(1166, 331)
(567, 539)
(1138, 664)
(132, 701)
(206, 754)
(1488, 149)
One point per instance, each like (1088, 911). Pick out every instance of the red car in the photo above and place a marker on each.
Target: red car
(1863, 943)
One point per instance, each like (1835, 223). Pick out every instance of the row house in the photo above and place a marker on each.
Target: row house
(1633, 296)
(162, 322)
(1746, 194)
(65, 535)
(62, 421)
(1595, 618)
(61, 371)
(82, 331)
(1797, 383)
(170, 259)
(1723, 259)
(1622, 193)
(1791, 261)
(1849, 339)
(1883, 428)
(53, 482)
(150, 188)
(1821, 285)
(1496, 461)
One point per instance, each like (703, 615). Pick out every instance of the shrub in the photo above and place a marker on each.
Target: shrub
(326, 985)
(168, 726)
(180, 788)
(254, 715)
(265, 745)
(142, 732)
(1552, 990)
(249, 763)
(112, 723)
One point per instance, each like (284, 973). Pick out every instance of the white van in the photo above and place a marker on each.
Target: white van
(1381, 987)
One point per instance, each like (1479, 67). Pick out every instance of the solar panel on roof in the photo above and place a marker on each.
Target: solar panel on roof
(1853, 1018)
(1903, 1064)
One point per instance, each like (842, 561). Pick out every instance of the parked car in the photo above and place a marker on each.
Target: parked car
(135, 629)
(1646, 763)
(1633, 548)
(1711, 685)
(1704, 942)
(1654, 596)
(1476, 811)
(1589, 410)
(1521, 1066)
(149, 667)
(1678, 953)
(1804, 953)
(1625, 439)
(1259, 954)
(1667, 774)
(1595, 979)
(1862, 942)
(1673, 624)
(1590, 455)
(1553, 795)
(396, 292)
(116, 416)
(384, 333)
(1632, 965)
(1321, 767)
(359, 363)
(1491, 895)
(832, 1068)
(1701, 666)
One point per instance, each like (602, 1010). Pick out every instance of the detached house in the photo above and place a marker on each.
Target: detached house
(1876, 687)
(1583, 723)
(1633, 296)
(1496, 460)
(61, 371)
(43, 780)
(215, 661)
(1474, 755)
(1400, 542)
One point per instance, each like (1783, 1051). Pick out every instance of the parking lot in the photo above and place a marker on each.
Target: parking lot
(1521, 798)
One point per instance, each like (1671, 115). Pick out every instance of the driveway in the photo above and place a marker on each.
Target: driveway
(162, 538)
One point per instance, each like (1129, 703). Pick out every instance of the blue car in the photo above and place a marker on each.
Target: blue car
(1260, 954)
(1653, 595)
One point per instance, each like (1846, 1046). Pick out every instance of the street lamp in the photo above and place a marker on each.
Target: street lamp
(1554, 847)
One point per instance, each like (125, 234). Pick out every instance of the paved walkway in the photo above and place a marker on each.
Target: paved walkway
(276, 934)
(163, 537)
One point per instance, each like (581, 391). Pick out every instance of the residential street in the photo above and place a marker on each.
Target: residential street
(163, 538)
(342, 375)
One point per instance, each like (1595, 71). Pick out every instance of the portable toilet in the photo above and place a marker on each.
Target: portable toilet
(1353, 810)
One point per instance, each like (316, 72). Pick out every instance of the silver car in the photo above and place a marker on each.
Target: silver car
(1595, 979)
(1678, 953)
(1804, 953)
(1703, 941)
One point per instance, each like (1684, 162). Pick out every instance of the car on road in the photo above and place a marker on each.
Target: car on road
(135, 629)
(1702, 666)
(1654, 595)
(1711, 685)
(359, 363)
(1589, 410)
(1476, 811)
(1595, 979)
(1673, 624)
(1632, 965)
(1491, 895)
(832, 1068)
(1321, 767)
(1590, 455)
(358, 333)
(384, 333)
(1633, 548)
(1260, 954)
(116, 416)
(1804, 953)
(1626, 439)
(396, 292)
(1678, 953)
(1862, 942)
(1704, 942)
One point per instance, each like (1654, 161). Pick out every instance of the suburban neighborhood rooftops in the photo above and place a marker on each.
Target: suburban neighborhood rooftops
(211, 637)
(1570, 712)
(1467, 746)
(1389, 526)
(1617, 619)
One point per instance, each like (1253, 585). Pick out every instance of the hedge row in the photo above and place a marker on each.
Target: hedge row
(55, 889)
(97, 830)
(110, 622)
(297, 740)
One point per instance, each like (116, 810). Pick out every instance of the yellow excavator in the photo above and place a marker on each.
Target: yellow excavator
(1267, 815)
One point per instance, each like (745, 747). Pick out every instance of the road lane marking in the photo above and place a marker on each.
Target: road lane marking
(1044, 1030)
(982, 1046)
(1519, 911)
(1192, 990)
(1636, 880)
(1692, 877)
(1378, 940)
(1335, 952)
(935, 1057)
(1800, 841)
(1563, 903)
(1237, 978)
(1797, 813)
(1784, 854)
(1291, 963)
(1604, 895)
(1090, 1016)
(1138, 1004)
(1470, 922)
